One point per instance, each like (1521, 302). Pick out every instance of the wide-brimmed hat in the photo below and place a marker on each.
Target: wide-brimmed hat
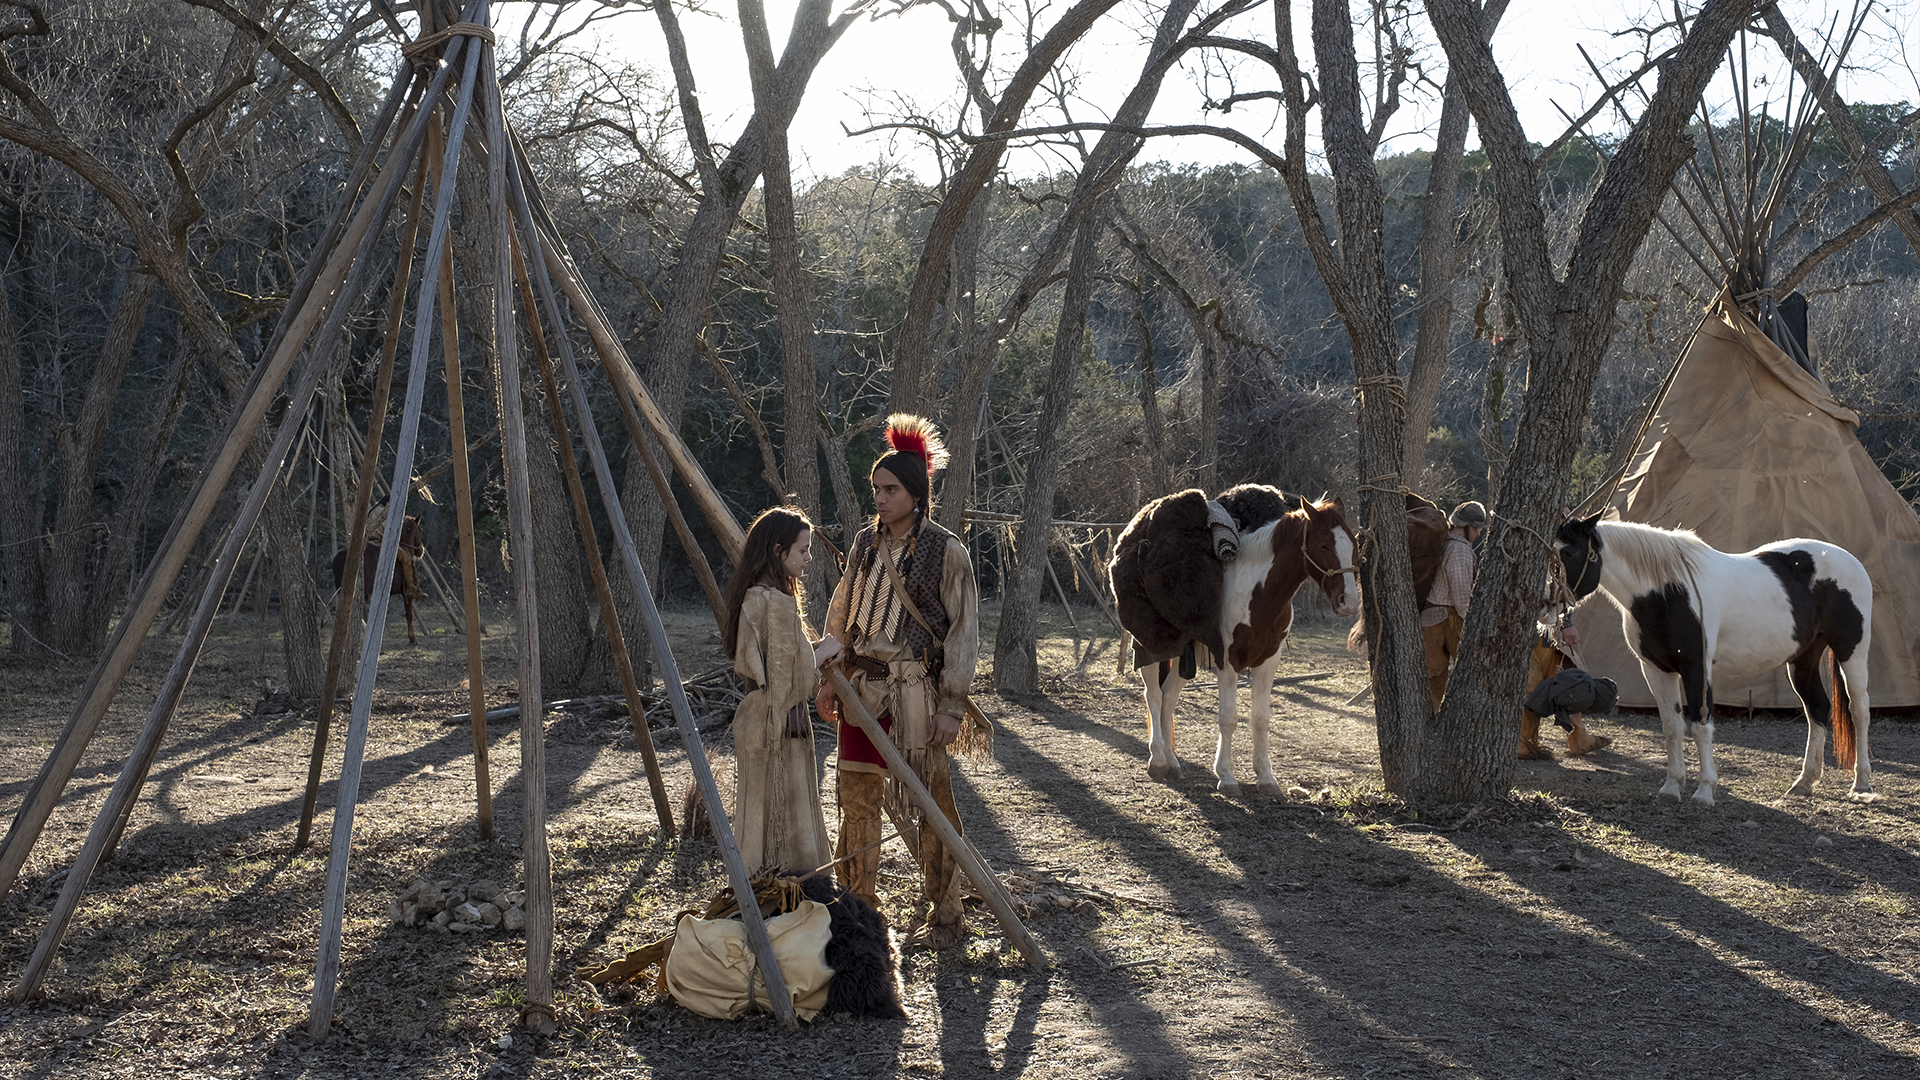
(1468, 513)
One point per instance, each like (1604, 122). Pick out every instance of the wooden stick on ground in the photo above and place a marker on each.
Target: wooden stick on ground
(998, 900)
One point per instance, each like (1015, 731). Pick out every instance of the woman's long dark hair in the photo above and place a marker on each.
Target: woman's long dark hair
(772, 533)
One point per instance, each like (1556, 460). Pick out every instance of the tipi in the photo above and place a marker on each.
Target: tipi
(1748, 447)
(1746, 444)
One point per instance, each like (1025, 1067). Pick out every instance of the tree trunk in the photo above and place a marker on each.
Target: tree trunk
(981, 164)
(690, 285)
(76, 627)
(566, 635)
(1016, 663)
(19, 525)
(1439, 265)
(1567, 325)
(1401, 699)
(798, 390)
(976, 368)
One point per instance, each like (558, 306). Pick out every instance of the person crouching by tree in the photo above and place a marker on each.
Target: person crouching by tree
(905, 625)
(1445, 615)
(777, 818)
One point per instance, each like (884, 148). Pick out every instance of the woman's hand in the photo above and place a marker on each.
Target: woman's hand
(827, 651)
(827, 704)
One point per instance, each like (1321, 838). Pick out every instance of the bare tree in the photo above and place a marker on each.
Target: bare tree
(1566, 321)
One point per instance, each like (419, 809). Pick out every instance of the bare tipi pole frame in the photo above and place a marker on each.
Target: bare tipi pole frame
(333, 288)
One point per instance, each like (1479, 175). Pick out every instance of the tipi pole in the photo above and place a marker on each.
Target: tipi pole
(777, 994)
(326, 973)
(118, 807)
(469, 557)
(377, 209)
(998, 900)
(583, 518)
(621, 371)
(636, 432)
(537, 864)
(161, 573)
(357, 520)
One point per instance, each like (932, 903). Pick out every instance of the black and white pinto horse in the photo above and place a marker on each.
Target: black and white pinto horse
(1309, 542)
(1692, 613)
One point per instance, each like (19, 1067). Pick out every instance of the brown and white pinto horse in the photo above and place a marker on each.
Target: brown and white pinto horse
(1310, 543)
(406, 582)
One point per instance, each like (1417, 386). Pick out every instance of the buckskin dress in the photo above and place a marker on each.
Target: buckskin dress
(776, 817)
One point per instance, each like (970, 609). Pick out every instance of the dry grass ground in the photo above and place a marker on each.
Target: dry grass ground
(1581, 929)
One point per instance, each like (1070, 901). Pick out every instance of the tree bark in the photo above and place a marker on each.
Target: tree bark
(1016, 662)
(1439, 266)
(566, 636)
(1401, 700)
(19, 526)
(799, 389)
(1567, 325)
(74, 626)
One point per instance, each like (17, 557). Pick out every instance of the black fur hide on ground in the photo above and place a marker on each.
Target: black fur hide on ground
(866, 979)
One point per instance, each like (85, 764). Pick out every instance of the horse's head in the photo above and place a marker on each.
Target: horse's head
(411, 537)
(1577, 542)
(1327, 546)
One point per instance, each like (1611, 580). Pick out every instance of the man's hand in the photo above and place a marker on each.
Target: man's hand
(827, 704)
(1571, 635)
(945, 729)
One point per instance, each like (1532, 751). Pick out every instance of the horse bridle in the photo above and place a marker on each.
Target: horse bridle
(1324, 574)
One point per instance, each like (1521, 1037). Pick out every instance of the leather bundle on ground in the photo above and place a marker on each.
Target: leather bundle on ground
(859, 951)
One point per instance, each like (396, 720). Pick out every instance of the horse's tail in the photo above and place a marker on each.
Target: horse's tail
(1844, 747)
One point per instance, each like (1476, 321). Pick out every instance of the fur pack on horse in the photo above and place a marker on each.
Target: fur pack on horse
(406, 579)
(1692, 613)
(1189, 573)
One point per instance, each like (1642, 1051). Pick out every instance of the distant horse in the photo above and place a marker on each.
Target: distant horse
(1159, 566)
(1692, 613)
(406, 583)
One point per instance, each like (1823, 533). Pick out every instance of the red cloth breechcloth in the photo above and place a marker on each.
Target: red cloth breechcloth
(856, 747)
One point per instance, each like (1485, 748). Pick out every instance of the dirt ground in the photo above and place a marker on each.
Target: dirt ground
(1583, 928)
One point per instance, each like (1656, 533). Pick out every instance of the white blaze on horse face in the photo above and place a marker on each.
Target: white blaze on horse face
(1349, 601)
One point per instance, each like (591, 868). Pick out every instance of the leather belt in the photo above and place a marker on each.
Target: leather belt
(867, 665)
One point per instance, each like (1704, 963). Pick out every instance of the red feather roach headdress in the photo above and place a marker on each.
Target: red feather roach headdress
(910, 434)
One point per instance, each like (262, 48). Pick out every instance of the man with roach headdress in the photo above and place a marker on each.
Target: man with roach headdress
(905, 625)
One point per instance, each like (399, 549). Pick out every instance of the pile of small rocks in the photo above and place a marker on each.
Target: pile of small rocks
(451, 907)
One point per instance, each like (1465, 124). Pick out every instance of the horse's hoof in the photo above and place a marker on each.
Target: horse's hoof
(1703, 795)
(1159, 772)
(1229, 787)
(1671, 789)
(1801, 787)
(1271, 787)
(1863, 795)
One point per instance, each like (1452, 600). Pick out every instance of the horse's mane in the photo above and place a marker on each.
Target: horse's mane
(1653, 553)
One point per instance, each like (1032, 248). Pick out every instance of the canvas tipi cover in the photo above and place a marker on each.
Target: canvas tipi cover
(1747, 448)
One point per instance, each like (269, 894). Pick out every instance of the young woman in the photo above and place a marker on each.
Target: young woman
(776, 818)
